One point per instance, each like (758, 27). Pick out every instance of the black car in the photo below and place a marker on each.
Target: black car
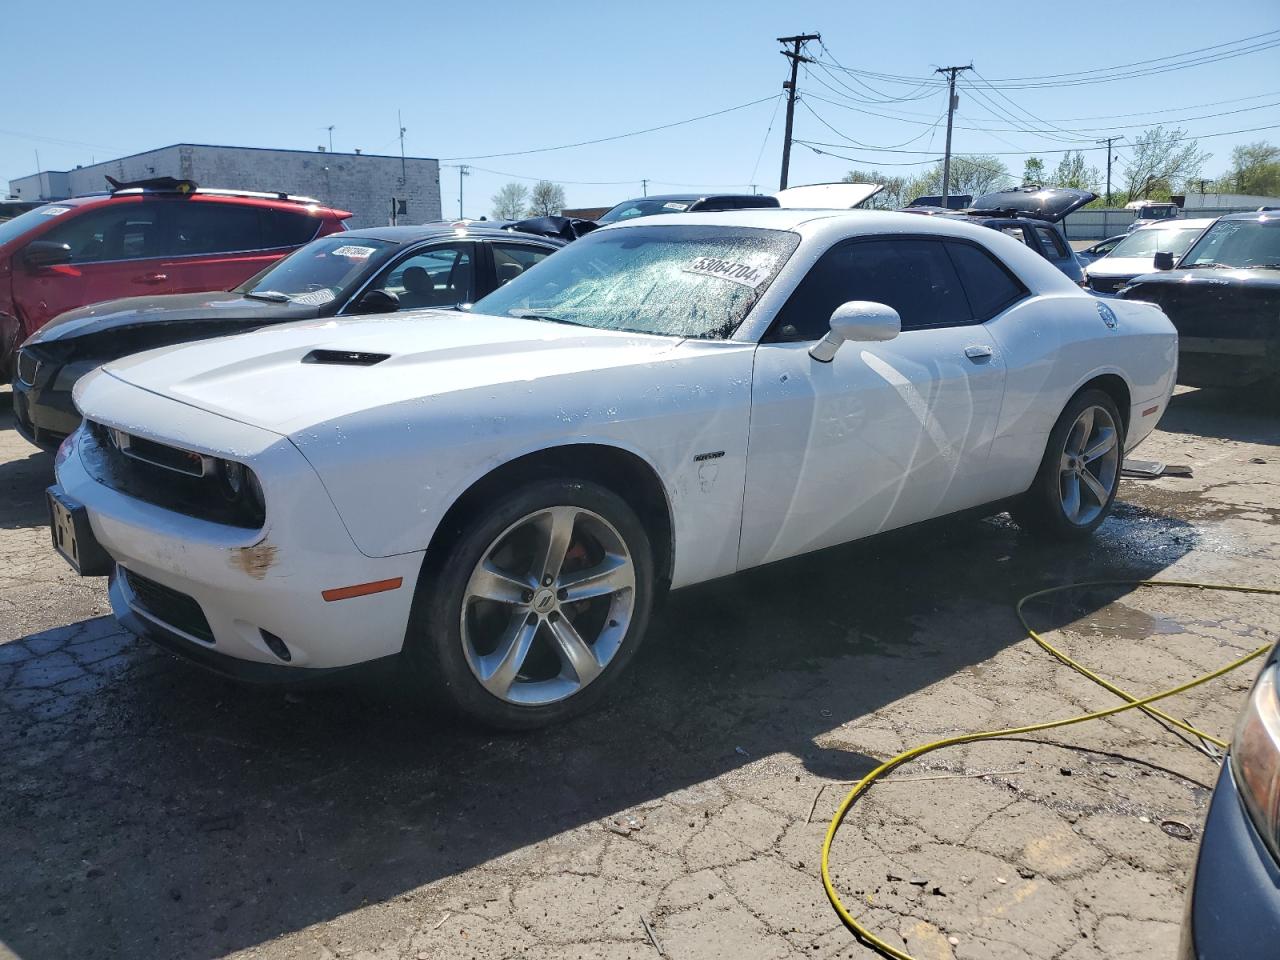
(12, 207)
(1030, 215)
(1233, 906)
(685, 203)
(376, 270)
(1224, 298)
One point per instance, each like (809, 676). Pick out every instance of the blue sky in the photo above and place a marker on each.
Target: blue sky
(473, 79)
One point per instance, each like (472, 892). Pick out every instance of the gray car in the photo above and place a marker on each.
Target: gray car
(1136, 253)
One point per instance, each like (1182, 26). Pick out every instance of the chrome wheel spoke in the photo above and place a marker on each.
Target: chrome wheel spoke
(574, 651)
(607, 577)
(1071, 495)
(498, 671)
(1094, 486)
(1101, 444)
(1079, 436)
(556, 532)
(491, 583)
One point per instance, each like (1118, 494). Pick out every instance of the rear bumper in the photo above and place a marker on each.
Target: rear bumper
(1233, 910)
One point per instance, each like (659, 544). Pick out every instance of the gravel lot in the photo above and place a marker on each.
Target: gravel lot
(148, 809)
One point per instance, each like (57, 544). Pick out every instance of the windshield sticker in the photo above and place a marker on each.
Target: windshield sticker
(53, 211)
(316, 298)
(735, 271)
(672, 205)
(354, 252)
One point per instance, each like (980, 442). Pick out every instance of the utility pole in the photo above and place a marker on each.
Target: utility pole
(952, 102)
(331, 138)
(1109, 141)
(463, 171)
(644, 187)
(794, 55)
(404, 177)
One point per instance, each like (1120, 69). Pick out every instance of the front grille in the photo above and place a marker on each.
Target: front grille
(155, 473)
(1106, 284)
(169, 606)
(28, 367)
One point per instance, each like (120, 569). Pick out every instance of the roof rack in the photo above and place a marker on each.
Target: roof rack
(188, 187)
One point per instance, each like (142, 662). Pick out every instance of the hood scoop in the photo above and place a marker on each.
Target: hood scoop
(345, 358)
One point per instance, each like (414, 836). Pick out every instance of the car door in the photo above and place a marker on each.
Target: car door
(115, 251)
(435, 275)
(886, 434)
(217, 244)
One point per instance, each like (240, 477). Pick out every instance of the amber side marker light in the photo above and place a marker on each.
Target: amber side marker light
(362, 589)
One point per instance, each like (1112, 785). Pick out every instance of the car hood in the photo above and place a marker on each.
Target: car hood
(1259, 279)
(1048, 203)
(1120, 266)
(261, 378)
(172, 308)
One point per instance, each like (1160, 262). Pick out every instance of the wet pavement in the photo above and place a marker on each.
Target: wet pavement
(149, 809)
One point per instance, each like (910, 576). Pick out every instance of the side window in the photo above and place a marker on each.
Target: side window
(990, 286)
(1054, 248)
(914, 276)
(1016, 232)
(201, 228)
(281, 228)
(439, 276)
(119, 231)
(512, 259)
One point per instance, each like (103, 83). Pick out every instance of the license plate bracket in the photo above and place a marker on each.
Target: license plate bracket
(73, 537)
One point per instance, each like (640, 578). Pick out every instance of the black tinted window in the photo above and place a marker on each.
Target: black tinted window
(915, 277)
(991, 288)
(200, 228)
(119, 231)
(281, 228)
(1054, 248)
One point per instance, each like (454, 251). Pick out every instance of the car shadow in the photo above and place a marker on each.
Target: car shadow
(22, 485)
(151, 809)
(1243, 414)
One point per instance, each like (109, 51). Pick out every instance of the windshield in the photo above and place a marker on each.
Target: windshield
(1147, 243)
(695, 281)
(1238, 243)
(320, 272)
(645, 207)
(12, 229)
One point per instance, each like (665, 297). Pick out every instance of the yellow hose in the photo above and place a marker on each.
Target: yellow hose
(1132, 703)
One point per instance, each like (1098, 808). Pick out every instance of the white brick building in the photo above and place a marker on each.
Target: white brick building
(365, 184)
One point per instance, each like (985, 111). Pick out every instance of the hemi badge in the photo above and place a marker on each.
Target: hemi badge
(362, 589)
(708, 456)
(1150, 410)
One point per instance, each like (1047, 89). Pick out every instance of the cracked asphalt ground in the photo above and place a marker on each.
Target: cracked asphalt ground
(148, 809)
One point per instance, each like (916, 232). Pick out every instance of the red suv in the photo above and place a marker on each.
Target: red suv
(154, 236)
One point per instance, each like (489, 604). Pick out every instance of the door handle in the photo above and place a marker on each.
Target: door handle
(978, 352)
(152, 278)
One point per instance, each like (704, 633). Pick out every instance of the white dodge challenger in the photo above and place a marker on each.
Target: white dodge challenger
(497, 496)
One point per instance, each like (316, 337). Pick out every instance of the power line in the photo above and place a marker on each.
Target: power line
(870, 146)
(796, 57)
(618, 136)
(765, 142)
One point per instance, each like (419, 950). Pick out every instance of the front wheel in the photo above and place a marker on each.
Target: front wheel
(539, 604)
(1076, 484)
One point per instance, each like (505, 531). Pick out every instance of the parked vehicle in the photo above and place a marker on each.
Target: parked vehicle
(1151, 211)
(1233, 908)
(376, 270)
(498, 496)
(1099, 249)
(828, 196)
(1029, 215)
(1136, 252)
(12, 207)
(157, 236)
(1224, 298)
(685, 203)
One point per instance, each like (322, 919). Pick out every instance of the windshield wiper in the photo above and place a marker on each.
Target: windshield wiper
(1262, 266)
(271, 296)
(523, 315)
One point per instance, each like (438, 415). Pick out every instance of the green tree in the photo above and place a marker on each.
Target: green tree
(1073, 172)
(509, 202)
(1255, 168)
(1033, 171)
(1160, 162)
(547, 199)
(890, 198)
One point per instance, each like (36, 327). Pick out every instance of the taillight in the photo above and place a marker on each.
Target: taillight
(1255, 757)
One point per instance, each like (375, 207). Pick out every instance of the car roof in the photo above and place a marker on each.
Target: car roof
(1190, 223)
(791, 218)
(203, 196)
(427, 231)
(1252, 215)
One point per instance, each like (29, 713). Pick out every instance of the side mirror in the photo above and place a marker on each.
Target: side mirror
(39, 254)
(858, 320)
(1164, 261)
(377, 301)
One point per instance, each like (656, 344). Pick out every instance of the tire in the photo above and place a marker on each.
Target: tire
(480, 599)
(1046, 509)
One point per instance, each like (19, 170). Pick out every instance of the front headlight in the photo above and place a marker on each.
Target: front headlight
(1255, 757)
(240, 485)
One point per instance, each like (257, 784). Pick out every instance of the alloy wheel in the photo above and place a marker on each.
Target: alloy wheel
(548, 606)
(1090, 465)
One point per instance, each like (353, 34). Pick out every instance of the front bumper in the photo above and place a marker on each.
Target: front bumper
(43, 409)
(244, 582)
(1226, 361)
(1233, 909)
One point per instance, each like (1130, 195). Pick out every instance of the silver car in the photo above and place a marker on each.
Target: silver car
(1136, 253)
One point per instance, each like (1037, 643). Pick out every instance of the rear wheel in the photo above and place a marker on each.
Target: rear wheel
(539, 604)
(1076, 484)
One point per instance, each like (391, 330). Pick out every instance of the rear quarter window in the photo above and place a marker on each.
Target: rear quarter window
(1054, 248)
(990, 286)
